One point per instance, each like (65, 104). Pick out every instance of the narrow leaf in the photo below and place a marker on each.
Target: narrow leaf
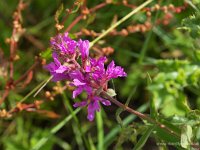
(143, 139)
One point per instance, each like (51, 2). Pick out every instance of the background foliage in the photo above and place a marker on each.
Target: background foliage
(162, 62)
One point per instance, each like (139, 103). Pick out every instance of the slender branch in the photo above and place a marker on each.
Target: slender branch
(120, 21)
(13, 41)
(10, 85)
(17, 30)
(98, 7)
(74, 23)
(82, 15)
(35, 41)
(68, 13)
(26, 73)
(5, 94)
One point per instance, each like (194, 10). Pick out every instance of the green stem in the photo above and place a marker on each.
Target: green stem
(76, 121)
(42, 84)
(144, 48)
(120, 21)
(100, 145)
(45, 83)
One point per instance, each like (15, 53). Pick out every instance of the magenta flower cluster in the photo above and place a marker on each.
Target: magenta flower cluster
(73, 63)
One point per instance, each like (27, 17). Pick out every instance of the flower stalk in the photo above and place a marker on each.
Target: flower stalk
(120, 22)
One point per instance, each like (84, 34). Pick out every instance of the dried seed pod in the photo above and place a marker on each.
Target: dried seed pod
(124, 32)
(47, 94)
(107, 50)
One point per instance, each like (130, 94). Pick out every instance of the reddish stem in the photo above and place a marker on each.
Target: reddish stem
(82, 15)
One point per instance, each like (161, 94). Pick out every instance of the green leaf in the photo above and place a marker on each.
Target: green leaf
(191, 24)
(117, 114)
(46, 54)
(197, 55)
(186, 136)
(144, 138)
(100, 130)
(198, 134)
(91, 143)
(111, 136)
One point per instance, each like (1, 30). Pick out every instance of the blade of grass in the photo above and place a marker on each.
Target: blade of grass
(45, 83)
(110, 137)
(78, 128)
(192, 5)
(144, 138)
(35, 89)
(149, 35)
(55, 129)
(100, 129)
(78, 136)
(120, 110)
(75, 125)
(91, 143)
(64, 145)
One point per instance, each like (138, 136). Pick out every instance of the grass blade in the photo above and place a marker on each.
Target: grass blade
(100, 129)
(144, 138)
(110, 137)
(54, 130)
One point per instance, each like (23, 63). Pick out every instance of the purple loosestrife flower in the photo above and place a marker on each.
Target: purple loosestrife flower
(84, 49)
(90, 76)
(58, 71)
(114, 72)
(64, 44)
(93, 105)
(80, 82)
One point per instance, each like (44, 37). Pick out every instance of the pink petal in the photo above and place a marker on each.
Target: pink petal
(80, 104)
(77, 92)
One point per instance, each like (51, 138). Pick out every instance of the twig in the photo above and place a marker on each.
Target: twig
(74, 23)
(26, 73)
(82, 15)
(13, 40)
(35, 41)
(16, 33)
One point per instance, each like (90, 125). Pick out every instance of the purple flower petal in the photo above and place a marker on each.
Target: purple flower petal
(61, 69)
(77, 91)
(102, 100)
(59, 77)
(80, 104)
(92, 108)
(50, 67)
(76, 82)
(84, 49)
(114, 72)
(63, 43)
(106, 102)
(77, 75)
(88, 89)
